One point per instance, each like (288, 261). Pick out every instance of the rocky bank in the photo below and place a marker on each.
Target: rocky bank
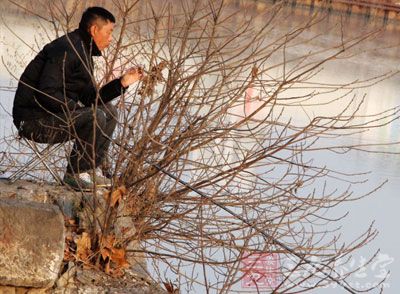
(33, 233)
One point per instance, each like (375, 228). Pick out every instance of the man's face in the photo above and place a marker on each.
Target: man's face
(101, 33)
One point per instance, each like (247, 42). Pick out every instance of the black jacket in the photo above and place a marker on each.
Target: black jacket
(60, 76)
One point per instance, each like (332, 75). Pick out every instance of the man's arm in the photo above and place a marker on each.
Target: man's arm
(112, 89)
(52, 92)
(107, 93)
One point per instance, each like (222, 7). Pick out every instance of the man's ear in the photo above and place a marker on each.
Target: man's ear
(93, 30)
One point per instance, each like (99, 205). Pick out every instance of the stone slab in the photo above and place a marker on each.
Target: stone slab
(31, 243)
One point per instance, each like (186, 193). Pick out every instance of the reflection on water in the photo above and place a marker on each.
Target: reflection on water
(372, 60)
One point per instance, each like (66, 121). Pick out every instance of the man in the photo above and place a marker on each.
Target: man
(57, 99)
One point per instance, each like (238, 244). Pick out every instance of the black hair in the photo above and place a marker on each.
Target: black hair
(92, 14)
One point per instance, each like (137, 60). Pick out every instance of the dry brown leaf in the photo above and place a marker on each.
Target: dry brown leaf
(68, 255)
(105, 253)
(123, 189)
(170, 287)
(108, 241)
(151, 191)
(83, 246)
(69, 222)
(118, 257)
(117, 273)
(124, 230)
(116, 196)
(106, 195)
(107, 268)
(150, 81)
(254, 72)
(117, 253)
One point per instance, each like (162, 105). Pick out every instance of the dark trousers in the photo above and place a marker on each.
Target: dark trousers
(91, 129)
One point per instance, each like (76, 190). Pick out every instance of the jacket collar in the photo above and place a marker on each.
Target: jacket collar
(89, 43)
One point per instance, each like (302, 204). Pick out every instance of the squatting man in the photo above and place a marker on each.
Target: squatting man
(56, 95)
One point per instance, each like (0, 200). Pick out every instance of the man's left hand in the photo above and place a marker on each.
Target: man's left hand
(131, 76)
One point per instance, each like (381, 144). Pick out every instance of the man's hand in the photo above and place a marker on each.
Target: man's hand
(132, 75)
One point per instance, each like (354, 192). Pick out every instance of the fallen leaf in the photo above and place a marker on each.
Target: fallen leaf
(254, 72)
(83, 246)
(151, 191)
(116, 196)
(106, 195)
(170, 287)
(118, 257)
(117, 273)
(105, 253)
(124, 230)
(108, 241)
(107, 268)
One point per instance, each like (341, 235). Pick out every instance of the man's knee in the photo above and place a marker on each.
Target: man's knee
(105, 119)
(101, 118)
(111, 111)
(111, 117)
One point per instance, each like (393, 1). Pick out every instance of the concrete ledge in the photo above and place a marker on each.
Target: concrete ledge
(31, 243)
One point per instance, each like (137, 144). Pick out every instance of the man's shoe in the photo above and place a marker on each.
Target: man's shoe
(79, 182)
